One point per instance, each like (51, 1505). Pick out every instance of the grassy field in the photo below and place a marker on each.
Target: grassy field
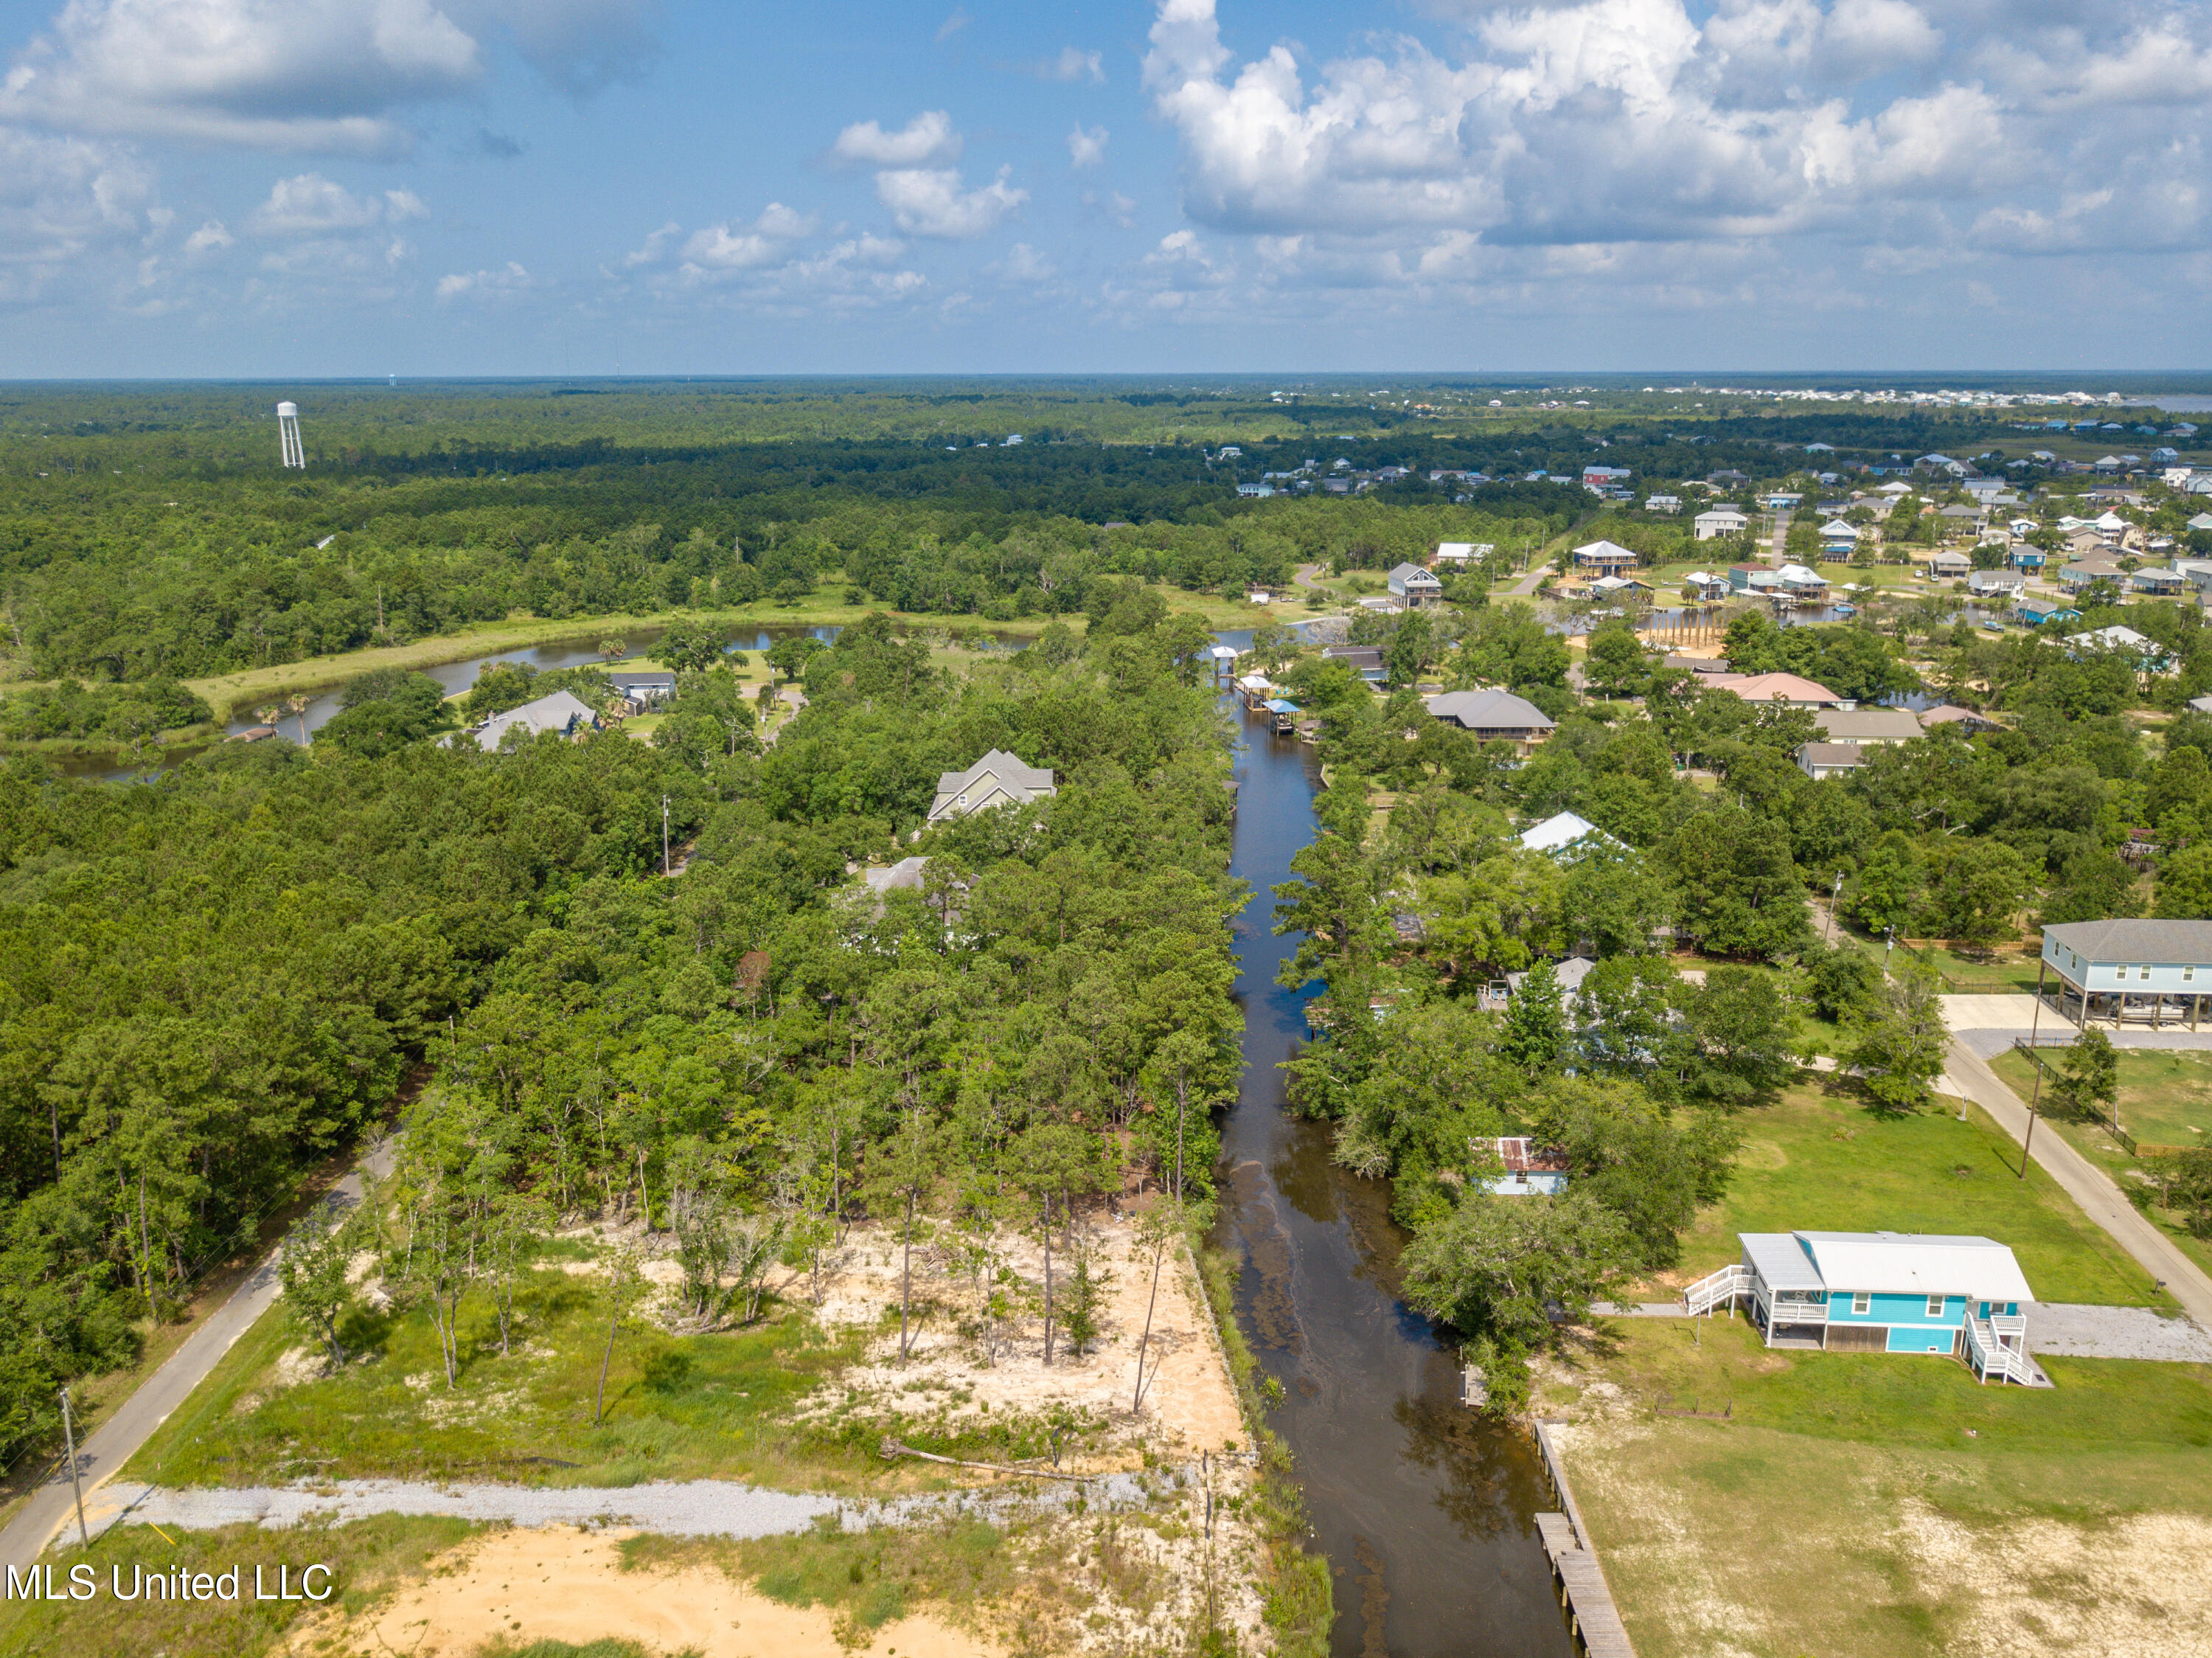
(1867, 1506)
(676, 1407)
(1819, 1161)
(2164, 1094)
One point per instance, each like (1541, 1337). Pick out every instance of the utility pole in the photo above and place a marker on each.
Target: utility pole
(2035, 1097)
(1834, 899)
(663, 837)
(69, 1444)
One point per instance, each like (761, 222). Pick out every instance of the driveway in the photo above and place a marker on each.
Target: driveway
(2115, 1333)
(1988, 1025)
(117, 1439)
(2100, 1197)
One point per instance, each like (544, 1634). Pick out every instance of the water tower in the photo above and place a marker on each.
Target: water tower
(288, 434)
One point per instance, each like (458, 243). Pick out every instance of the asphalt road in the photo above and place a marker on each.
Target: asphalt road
(2100, 1197)
(53, 1507)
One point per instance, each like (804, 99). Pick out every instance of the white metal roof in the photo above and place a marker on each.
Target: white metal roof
(1917, 1263)
(1563, 830)
(1780, 1260)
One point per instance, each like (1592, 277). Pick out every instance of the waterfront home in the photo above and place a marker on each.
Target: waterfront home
(1494, 717)
(644, 687)
(562, 713)
(1788, 687)
(1702, 585)
(1606, 558)
(2151, 973)
(1562, 832)
(1882, 1292)
(1414, 587)
(2074, 577)
(2034, 612)
(2147, 654)
(1948, 563)
(1529, 1169)
(1839, 538)
(2159, 583)
(1366, 660)
(998, 779)
(1995, 583)
(1951, 714)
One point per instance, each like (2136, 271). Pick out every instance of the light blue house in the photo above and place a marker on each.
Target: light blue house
(1882, 1292)
(2150, 973)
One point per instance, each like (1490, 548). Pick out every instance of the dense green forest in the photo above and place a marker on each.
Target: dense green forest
(149, 534)
(213, 982)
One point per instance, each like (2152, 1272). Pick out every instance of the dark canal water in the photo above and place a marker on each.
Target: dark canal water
(1424, 1511)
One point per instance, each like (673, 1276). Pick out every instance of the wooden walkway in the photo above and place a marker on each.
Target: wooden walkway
(1584, 1595)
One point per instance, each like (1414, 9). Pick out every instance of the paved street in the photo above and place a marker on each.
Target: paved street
(2089, 1186)
(117, 1439)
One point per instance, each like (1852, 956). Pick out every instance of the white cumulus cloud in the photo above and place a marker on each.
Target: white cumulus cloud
(1070, 64)
(298, 75)
(1086, 147)
(1604, 121)
(510, 282)
(930, 202)
(312, 206)
(927, 139)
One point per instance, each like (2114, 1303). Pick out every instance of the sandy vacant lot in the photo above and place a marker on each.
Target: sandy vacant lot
(569, 1585)
(1733, 1541)
(1190, 1407)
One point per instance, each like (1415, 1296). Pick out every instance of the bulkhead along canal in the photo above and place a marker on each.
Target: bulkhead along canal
(1423, 1508)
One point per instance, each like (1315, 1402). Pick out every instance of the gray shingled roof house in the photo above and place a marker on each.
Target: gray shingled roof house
(561, 711)
(998, 779)
(1494, 716)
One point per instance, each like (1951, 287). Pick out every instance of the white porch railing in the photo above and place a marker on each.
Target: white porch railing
(1786, 1310)
(1990, 1357)
(1717, 1289)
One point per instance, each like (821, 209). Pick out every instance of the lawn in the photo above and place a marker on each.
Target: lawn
(2005, 970)
(1818, 1159)
(677, 1407)
(1867, 1506)
(2164, 1094)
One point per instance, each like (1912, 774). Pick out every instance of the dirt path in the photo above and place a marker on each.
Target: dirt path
(2100, 1198)
(53, 1505)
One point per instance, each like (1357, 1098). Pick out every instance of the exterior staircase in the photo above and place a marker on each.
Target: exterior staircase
(1996, 1351)
(1716, 1290)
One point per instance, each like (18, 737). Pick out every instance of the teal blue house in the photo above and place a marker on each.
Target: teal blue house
(1882, 1292)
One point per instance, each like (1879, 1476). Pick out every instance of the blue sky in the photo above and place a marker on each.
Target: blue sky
(332, 187)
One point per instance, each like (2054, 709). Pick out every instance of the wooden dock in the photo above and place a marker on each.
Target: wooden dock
(1592, 1621)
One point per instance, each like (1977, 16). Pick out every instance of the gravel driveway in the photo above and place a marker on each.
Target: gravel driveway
(2115, 1333)
(698, 1508)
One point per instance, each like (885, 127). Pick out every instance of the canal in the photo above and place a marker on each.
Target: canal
(1423, 1508)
